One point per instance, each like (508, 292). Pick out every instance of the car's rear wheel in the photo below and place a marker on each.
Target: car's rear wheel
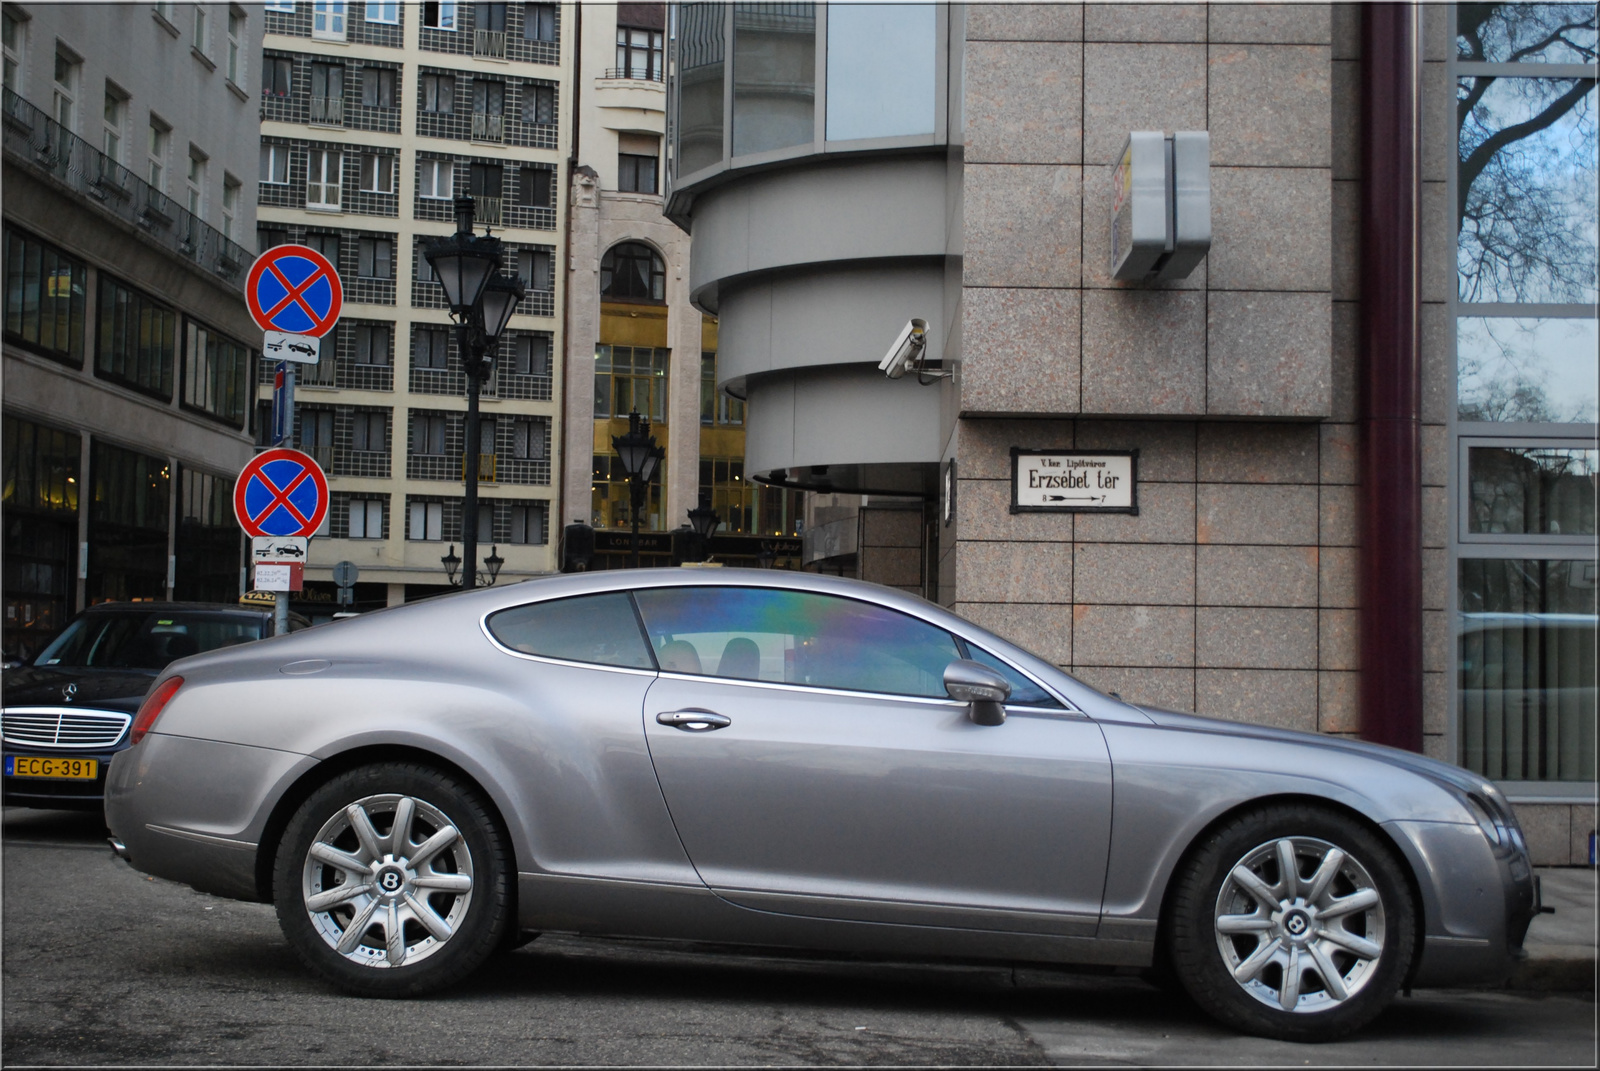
(1292, 922)
(393, 880)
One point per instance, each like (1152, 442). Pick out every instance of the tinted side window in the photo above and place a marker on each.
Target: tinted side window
(797, 638)
(590, 628)
(1024, 692)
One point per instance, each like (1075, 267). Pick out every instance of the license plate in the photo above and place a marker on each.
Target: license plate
(57, 768)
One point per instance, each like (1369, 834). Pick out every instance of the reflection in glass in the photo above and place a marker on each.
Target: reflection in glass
(1529, 370)
(701, 52)
(1525, 33)
(1527, 669)
(774, 76)
(1531, 490)
(881, 62)
(1526, 208)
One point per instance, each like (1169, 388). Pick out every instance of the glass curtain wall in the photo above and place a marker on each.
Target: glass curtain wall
(1527, 378)
(40, 509)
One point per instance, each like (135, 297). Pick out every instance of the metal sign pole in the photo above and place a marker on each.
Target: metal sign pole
(280, 599)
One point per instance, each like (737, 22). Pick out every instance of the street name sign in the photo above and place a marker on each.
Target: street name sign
(1074, 481)
(293, 289)
(281, 493)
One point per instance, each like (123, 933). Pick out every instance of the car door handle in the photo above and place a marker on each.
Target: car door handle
(694, 721)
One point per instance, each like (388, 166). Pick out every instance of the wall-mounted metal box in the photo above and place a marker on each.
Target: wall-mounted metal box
(1161, 205)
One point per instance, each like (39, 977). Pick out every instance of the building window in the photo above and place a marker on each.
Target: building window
(45, 298)
(639, 53)
(538, 104)
(632, 271)
(230, 207)
(377, 87)
(168, 12)
(431, 348)
(197, 184)
(428, 434)
(11, 32)
(436, 179)
(277, 76)
(68, 71)
(268, 237)
(315, 433)
(325, 242)
(372, 344)
(440, 15)
(157, 173)
(636, 174)
(528, 440)
(439, 93)
(528, 525)
(774, 90)
(539, 22)
(485, 180)
(536, 269)
(631, 377)
(488, 109)
(281, 5)
(216, 374)
(531, 355)
(235, 48)
(426, 521)
(116, 115)
(384, 12)
(202, 37)
(536, 187)
(137, 339)
(327, 93)
(375, 258)
(365, 518)
(717, 407)
(322, 178)
(327, 19)
(275, 165)
(369, 433)
(377, 172)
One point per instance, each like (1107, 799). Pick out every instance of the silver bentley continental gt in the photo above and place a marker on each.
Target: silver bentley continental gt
(793, 760)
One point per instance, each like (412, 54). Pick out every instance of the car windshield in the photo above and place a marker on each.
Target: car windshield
(146, 639)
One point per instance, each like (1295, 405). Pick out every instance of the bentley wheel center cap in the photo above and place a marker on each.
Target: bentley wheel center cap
(1296, 924)
(390, 879)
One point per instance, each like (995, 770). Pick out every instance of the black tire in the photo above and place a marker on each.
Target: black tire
(1346, 961)
(464, 883)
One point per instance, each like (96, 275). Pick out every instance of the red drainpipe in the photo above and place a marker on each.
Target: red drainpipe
(1391, 376)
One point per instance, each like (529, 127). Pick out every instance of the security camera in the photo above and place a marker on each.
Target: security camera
(906, 353)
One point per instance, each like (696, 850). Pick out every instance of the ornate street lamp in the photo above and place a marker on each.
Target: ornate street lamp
(451, 563)
(704, 521)
(481, 302)
(493, 563)
(639, 455)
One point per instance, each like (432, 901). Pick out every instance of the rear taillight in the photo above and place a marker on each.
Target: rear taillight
(153, 705)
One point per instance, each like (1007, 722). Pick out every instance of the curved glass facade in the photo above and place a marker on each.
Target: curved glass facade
(752, 82)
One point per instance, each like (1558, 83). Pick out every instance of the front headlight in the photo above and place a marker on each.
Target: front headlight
(1485, 818)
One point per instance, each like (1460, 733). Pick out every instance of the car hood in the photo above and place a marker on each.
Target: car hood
(107, 689)
(1442, 772)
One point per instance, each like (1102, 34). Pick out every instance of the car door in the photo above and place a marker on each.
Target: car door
(813, 765)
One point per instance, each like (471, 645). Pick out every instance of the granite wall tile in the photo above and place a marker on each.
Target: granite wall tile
(1435, 455)
(1340, 459)
(1339, 701)
(1438, 122)
(1437, 256)
(1023, 102)
(1270, 229)
(1436, 747)
(1435, 704)
(1139, 87)
(1022, 223)
(1269, 105)
(1339, 639)
(1435, 579)
(1283, 699)
(1024, 22)
(1256, 576)
(1260, 514)
(1346, 251)
(1346, 108)
(1284, 24)
(1133, 635)
(1583, 827)
(1436, 44)
(1435, 516)
(1014, 572)
(1166, 447)
(1166, 515)
(1144, 352)
(1345, 357)
(1134, 573)
(1436, 642)
(1021, 351)
(1339, 521)
(984, 450)
(983, 511)
(897, 567)
(1044, 629)
(1170, 689)
(1547, 827)
(1256, 453)
(1438, 349)
(1228, 637)
(1345, 31)
(1144, 22)
(1338, 582)
(1268, 354)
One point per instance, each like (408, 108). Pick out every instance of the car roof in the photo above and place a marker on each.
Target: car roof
(173, 607)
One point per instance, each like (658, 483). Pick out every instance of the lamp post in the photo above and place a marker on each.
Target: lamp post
(639, 454)
(481, 302)
(704, 521)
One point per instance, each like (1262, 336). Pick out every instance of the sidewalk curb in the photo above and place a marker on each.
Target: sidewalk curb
(1554, 974)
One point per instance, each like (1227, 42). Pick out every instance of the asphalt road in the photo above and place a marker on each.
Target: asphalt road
(105, 966)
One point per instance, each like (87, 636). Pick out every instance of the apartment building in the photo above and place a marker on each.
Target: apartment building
(129, 144)
(373, 118)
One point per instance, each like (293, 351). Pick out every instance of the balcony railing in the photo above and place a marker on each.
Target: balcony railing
(486, 209)
(637, 74)
(486, 464)
(320, 374)
(486, 127)
(40, 142)
(329, 111)
(322, 455)
(489, 44)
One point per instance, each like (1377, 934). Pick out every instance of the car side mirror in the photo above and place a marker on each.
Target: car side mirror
(981, 688)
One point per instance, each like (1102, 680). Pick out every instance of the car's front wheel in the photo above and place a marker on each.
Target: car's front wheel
(393, 880)
(1293, 922)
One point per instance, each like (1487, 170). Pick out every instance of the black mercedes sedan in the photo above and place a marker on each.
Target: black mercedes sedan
(68, 712)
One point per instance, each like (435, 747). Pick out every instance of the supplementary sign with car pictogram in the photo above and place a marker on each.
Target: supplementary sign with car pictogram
(294, 290)
(281, 493)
